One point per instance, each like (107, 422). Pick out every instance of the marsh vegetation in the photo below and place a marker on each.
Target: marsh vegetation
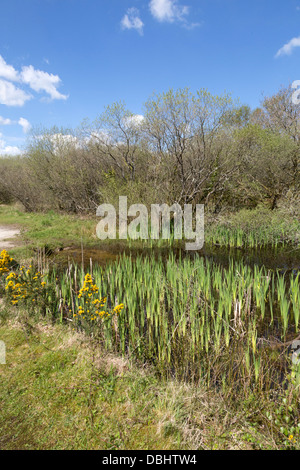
(222, 321)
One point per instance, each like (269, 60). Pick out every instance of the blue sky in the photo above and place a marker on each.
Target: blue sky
(63, 60)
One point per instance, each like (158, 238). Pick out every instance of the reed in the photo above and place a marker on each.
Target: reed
(192, 319)
(236, 237)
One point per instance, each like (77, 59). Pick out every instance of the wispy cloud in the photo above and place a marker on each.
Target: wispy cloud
(168, 10)
(5, 121)
(164, 11)
(289, 47)
(10, 95)
(42, 81)
(8, 149)
(8, 71)
(171, 11)
(132, 20)
(24, 123)
(37, 80)
(26, 126)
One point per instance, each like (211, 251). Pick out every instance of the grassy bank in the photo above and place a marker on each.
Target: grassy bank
(50, 229)
(259, 227)
(204, 351)
(198, 358)
(57, 391)
(247, 228)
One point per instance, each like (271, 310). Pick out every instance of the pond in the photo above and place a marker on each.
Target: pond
(283, 259)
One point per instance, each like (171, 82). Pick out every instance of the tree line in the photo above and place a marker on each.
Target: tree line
(187, 148)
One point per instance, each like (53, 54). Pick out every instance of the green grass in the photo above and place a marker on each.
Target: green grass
(56, 395)
(57, 230)
(58, 391)
(254, 228)
(247, 228)
(48, 229)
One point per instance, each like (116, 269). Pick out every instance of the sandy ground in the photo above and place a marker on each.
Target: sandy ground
(6, 236)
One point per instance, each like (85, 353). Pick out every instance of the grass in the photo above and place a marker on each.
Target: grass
(189, 318)
(247, 228)
(226, 329)
(259, 227)
(53, 230)
(59, 391)
(192, 367)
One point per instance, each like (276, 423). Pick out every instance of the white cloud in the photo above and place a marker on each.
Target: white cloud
(11, 95)
(60, 141)
(7, 71)
(8, 149)
(288, 48)
(24, 124)
(132, 20)
(64, 139)
(42, 81)
(134, 121)
(37, 80)
(5, 121)
(168, 10)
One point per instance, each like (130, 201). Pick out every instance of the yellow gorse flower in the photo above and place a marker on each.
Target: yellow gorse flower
(5, 261)
(26, 286)
(93, 308)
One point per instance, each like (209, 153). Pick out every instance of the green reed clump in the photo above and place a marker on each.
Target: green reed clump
(193, 319)
(190, 318)
(235, 237)
(259, 227)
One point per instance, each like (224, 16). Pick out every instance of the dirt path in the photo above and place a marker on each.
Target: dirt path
(6, 235)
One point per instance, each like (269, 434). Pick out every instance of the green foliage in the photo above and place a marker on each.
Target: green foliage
(179, 315)
(187, 147)
(253, 228)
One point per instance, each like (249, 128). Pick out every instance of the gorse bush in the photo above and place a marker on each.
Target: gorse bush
(26, 288)
(5, 262)
(42, 293)
(93, 312)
